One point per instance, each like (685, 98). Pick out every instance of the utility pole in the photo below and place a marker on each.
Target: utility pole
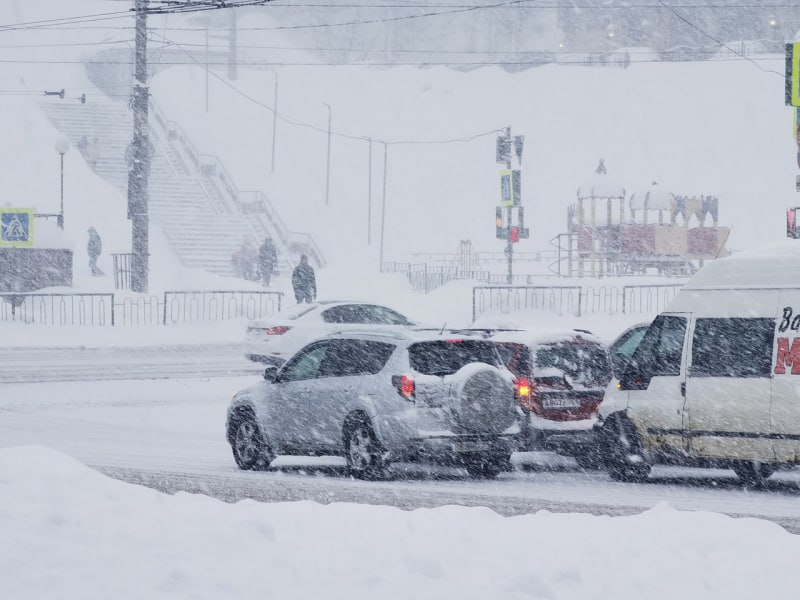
(274, 117)
(207, 67)
(383, 202)
(328, 169)
(233, 48)
(369, 195)
(139, 169)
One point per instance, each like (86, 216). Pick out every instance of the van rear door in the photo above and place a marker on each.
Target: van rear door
(655, 381)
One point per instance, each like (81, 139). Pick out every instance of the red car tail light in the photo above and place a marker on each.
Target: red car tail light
(405, 386)
(277, 330)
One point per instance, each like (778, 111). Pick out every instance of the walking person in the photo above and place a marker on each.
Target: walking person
(249, 261)
(304, 281)
(94, 248)
(267, 260)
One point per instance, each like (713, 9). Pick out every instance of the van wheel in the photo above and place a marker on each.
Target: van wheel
(363, 452)
(753, 474)
(623, 452)
(249, 450)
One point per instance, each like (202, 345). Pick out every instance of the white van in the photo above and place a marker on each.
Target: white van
(715, 381)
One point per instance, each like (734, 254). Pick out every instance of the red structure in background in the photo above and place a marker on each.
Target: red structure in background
(611, 233)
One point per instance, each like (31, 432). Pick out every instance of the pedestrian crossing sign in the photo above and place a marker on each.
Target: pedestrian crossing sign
(16, 227)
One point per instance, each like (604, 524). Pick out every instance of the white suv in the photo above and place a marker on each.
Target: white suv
(375, 398)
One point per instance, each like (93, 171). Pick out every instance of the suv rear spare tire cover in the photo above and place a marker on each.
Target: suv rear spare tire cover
(482, 399)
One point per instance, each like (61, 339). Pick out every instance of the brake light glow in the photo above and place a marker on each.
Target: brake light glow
(278, 330)
(405, 386)
(522, 387)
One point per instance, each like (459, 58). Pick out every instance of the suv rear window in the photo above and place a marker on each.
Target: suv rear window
(447, 357)
(581, 362)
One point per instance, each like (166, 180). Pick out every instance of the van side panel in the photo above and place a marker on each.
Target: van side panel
(729, 380)
(785, 409)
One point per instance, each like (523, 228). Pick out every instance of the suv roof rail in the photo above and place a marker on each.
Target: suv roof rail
(397, 335)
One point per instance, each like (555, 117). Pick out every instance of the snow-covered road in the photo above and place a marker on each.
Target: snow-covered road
(20, 365)
(169, 434)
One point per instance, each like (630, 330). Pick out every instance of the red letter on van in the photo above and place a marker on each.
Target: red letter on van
(788, 357)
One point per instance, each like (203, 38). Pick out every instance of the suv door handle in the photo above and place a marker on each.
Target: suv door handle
(683, 389)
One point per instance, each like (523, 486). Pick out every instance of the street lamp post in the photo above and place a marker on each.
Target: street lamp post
(274, 117)
(62, 147)
(328, 170)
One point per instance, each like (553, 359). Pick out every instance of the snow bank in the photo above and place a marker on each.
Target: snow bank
(69, 532)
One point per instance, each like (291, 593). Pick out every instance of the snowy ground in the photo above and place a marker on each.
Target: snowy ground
(70, 532)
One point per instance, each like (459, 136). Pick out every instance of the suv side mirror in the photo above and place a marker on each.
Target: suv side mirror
(271, 373)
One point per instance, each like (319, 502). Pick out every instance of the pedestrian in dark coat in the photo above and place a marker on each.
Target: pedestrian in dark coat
(304, 281)
(267, 260)
(94, 248)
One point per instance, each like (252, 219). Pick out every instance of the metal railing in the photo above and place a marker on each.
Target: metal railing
(578, 300)
(648, 298)
(57, 309)
(517, 298)
(134, 309)
(122, 271)
(182, 307)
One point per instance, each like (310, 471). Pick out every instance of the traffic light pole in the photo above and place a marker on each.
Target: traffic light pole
(509, 241)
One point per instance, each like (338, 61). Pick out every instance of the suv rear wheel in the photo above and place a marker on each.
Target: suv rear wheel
(362, 451)
(486, 467)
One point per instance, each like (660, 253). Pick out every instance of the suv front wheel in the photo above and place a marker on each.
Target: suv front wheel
(362, 451)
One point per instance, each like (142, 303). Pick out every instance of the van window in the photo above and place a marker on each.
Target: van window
(732, 348)
(661, 349)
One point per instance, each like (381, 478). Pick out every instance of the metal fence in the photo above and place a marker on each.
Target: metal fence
(521, 298)
(577, 300)
(182, 307)
(58, 309)
(109, 309)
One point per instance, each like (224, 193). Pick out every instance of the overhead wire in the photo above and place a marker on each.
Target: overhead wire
(339, 134)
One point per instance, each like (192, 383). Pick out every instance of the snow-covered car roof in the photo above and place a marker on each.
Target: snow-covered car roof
(534, 337)
(296, 311)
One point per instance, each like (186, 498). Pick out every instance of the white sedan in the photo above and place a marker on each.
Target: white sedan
(275, 339)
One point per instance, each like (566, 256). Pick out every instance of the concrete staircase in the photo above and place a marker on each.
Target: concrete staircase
(204, 225)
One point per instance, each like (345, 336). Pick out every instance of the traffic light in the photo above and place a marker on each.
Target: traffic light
(514, 234)
(500, 232)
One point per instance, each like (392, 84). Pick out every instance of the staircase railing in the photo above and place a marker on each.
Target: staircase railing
(230, 199)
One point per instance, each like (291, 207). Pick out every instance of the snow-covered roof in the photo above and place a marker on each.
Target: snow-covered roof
(774, 266)
(601, 186)
(655, 198)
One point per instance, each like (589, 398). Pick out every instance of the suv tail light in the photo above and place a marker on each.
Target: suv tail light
(522, 388)
(405, 386)
(277, 330)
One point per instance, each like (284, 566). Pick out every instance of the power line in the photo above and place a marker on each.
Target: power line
(302, 124)
(65, 21)
(720, 42)
(422, 63)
